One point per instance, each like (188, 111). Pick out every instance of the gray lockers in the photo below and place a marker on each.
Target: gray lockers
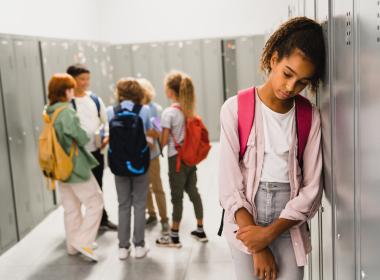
(201, 59)
(57, 55)
(23, 101)
(241, 61)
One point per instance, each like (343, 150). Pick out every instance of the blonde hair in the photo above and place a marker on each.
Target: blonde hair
(149, 92)
(183, 88)
(129, 89)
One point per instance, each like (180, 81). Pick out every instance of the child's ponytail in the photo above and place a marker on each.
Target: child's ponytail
(183, 88)
(187, 96)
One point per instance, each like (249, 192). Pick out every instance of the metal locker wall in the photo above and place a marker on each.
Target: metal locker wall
(325, 102)
(8, 230)
(258, 46)
(245, 62)
(17, 136)
(368, 113)
(121, 58)
(92, 62)
(229, 68)
(158, 66)
(26, 89)
(343, 135)
(37, 103)
(174, 56)
(192, 65)
(248, 54)
(212, 85)
(140, 58)
(106, 74)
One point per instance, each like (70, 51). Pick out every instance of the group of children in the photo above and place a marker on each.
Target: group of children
(135, 129)
(270, 158)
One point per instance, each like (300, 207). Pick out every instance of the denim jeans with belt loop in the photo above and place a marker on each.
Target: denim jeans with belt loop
(271, 198)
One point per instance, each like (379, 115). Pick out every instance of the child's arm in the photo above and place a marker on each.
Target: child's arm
(165, 137)
(232, 191)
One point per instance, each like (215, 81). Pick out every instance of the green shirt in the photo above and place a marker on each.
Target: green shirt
(67, 127)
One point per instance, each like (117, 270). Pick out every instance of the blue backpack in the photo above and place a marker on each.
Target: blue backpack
(128, 153)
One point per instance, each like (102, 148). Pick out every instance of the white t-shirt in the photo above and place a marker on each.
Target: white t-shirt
(278, 137)
(173, 119)
(89, 120)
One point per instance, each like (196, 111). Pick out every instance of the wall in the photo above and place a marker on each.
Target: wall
(69, 19)
(137, 21)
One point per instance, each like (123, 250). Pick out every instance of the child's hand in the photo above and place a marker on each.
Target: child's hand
(264, 265)
(255, 238)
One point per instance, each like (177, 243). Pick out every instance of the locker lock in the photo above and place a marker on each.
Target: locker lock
(338, 236)
(10, 139)
(364, 275)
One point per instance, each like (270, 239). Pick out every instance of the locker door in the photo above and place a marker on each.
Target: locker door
(192, 65)
(258, 46)
(174, 56)
(27, 89)
(92, 55)
(158, 68)
(213, 85)
(140, 58)
(230, 68)
(368, 26)
(245, 62)
(37, 103)
(122, 61)
(248, 54)
(8, 231)
(18, 137)
(343, 90)
(106, 73)
(325, 102)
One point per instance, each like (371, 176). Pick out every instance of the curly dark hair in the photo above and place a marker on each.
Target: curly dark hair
(297, 33)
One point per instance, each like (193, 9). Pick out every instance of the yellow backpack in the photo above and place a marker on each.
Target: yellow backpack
(54, 162)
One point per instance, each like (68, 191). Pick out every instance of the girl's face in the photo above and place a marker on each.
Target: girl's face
(70, 94)
(290, 75)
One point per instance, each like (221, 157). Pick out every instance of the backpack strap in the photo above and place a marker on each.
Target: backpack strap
(94, 98)
(246, 116)
(304, 112)
(136, 109)
(97, 103)
(56, 113)
(74, 104)
(117, 109)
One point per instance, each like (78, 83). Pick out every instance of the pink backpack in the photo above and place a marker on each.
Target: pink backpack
(246, 116)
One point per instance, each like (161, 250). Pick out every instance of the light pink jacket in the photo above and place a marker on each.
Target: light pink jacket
(239, 180)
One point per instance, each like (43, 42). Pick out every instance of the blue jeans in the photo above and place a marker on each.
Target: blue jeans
(270, 200)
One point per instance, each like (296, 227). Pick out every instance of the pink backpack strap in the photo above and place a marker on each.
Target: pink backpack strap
(304, 111)
(246, 116)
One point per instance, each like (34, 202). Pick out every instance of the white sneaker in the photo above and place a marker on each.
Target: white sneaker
(124, 253)
(86, 251)
(141, 252)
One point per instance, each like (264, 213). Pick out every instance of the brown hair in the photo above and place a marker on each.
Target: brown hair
(298, 33)
(183, 87)
(129, 89)
(149, 92)
(58, 85)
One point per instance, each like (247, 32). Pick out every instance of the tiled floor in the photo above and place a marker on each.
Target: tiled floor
(41, 255)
